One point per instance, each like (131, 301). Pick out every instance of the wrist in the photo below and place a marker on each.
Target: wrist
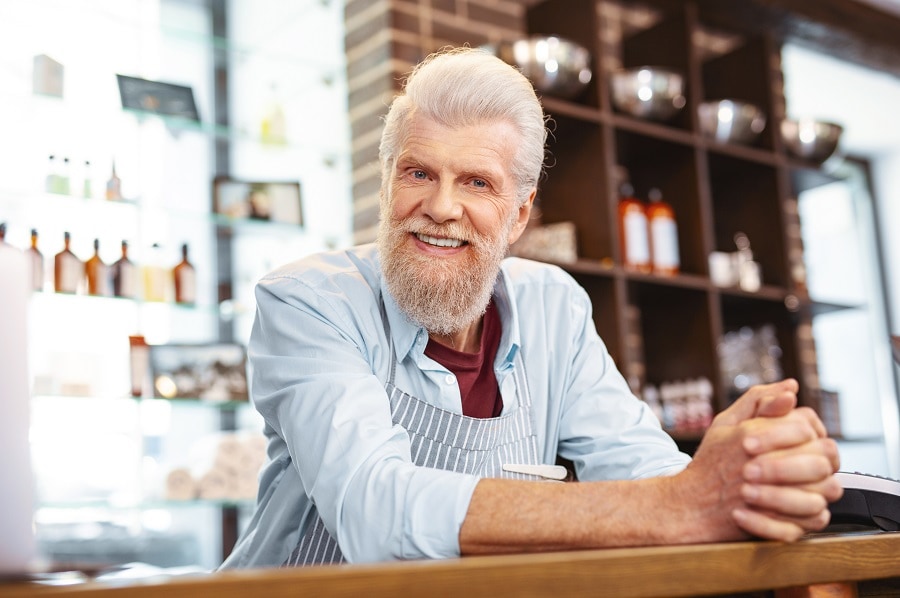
(701, 508)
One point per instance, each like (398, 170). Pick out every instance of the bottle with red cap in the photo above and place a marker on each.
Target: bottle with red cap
(663, 233)
(633, 240)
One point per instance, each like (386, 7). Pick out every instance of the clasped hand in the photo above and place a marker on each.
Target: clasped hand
(769, 466)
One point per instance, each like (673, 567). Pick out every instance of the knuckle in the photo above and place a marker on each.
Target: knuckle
(821, 520)
(808, 412)
(833, 490)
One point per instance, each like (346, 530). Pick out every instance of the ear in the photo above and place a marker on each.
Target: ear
(523, 217)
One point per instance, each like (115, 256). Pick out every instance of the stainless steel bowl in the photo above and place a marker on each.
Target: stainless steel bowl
(556, 66)
(811, 139)
(648, 92)
(731, 121)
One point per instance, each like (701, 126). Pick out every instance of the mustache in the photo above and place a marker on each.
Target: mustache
(452, 230)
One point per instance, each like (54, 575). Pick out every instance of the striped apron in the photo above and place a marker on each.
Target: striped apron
(442, 439)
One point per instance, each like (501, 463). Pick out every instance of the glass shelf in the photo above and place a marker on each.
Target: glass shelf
(177, 124)
(229, 311)
(25, 196)
(56, 202)
(181, 401)
(174, 124)
(148, 504)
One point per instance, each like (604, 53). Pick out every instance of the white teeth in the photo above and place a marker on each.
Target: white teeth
(439, 242)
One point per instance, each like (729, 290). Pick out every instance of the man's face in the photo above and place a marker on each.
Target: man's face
(449, 218)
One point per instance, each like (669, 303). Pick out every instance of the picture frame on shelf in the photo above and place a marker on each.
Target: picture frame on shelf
(280, 202)
(215, 372)
(157, 97)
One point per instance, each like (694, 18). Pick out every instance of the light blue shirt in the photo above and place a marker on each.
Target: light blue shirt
(319, 361)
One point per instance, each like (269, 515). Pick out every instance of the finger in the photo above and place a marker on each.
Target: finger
(762, 435)
(786, 501)
(790, 469)
(775, 399)
(813, 418)
(772, 526)
(778, 400)
(825, 447)
(761, 525)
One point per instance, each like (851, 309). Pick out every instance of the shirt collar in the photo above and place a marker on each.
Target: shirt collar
(408, 337)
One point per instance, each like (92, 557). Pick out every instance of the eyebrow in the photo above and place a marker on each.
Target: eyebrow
(410, 161)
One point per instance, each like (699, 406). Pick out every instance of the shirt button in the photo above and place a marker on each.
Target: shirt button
(449, 379)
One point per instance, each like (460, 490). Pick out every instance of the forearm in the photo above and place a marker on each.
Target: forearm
(516, 516)
(768, 476)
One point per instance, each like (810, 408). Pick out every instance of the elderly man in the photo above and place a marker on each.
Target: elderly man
(417, 392)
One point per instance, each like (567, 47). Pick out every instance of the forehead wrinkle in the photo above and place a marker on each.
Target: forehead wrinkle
(469, 160)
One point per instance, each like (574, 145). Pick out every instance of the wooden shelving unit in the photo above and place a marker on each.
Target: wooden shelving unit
(716, 190)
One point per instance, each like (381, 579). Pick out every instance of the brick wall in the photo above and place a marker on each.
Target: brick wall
(383, 40)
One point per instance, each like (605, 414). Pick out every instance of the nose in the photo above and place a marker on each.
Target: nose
(442, 203)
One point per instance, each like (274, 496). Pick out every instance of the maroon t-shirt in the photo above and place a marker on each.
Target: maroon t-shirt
(475, 371)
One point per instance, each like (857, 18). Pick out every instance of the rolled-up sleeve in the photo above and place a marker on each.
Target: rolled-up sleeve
(585, 411)
(604, 429)
(313, 360)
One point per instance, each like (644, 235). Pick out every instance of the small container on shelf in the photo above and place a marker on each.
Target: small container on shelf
(748, 270)
(185, 278)
(86, 188)
(156, 279)
(64, 181)
(633, 241)
(139, 357)
(663, 234)
(97, 274)
(124, 275)
(114, 185)
(68, 269)
(36, 261)
(52, 177)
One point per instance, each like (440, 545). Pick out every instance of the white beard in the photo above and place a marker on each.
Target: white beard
(442, 297)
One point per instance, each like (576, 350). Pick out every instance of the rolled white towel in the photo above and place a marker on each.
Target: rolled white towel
(246, 485)
(230, 453)
(180, 485)
(214, 485)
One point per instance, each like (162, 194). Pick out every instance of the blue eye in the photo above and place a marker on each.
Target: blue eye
(479, 183)
(419, 174)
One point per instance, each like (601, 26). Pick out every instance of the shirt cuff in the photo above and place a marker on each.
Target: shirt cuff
(431, 531)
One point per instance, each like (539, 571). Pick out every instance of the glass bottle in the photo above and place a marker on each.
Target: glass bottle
(185, 279)
(273, 129)
(97, 273)
(65, 176)
(124, 275)
(114, 185)
(68, 270)
(663, 235)
(749, 274)
(156, 276)
(36, 261)
(633, 240)
(86, 190)
(52, 178)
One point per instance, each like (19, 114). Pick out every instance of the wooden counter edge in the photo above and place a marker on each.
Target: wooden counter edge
(638, 572)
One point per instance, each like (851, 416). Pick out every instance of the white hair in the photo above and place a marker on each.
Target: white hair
(467, 86)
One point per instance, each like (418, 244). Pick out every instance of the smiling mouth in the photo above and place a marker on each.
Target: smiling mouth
(440, 242)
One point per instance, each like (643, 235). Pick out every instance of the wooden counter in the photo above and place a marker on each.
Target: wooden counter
(841, 560)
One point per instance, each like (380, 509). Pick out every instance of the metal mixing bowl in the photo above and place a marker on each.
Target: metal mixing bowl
(648, 92)
(731, 121)
(556, 66)
(811, 139)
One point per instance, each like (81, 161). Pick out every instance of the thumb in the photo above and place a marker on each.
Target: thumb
(765, 400)
(776, 405)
